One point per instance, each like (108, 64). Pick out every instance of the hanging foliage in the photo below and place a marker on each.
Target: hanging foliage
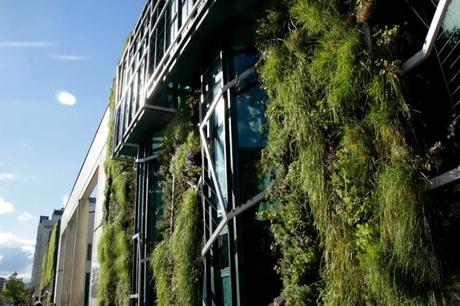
(349, 220)
(118, 226)
(175, 260)
(49, 264)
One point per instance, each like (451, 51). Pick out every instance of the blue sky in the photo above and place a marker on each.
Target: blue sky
(50, 50)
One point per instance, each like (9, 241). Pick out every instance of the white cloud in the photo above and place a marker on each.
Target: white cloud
(17, 255)
(27, 44)
(6, 207)
(25, 217)
(26, 273)
(29, 250)
(7, 177)
(1, 258)
(65, 199)
(12, 241)
(69, 57)
(66, 98)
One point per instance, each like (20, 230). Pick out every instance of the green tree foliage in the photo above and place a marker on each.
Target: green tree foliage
(15, 290)
(118, 227)
(49, 264)
(349, 219)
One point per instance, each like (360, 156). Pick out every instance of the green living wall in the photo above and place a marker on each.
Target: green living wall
(176, 260)
(49, 265)
(349, 219)
(115, 254)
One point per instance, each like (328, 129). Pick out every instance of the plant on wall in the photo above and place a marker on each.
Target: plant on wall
(49, 265)
(349, 216)
(118, 226)
(175, 260)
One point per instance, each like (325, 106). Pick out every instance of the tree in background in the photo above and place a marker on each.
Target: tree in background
(15, 290)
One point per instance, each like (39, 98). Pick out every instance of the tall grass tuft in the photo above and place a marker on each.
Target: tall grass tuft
(162, 273)
(176, 259)
(115, 250)
(185, 243)
(348, 199)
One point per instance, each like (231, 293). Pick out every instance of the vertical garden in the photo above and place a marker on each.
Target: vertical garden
(115, 250)
(350, 211)
(176, 260)
(349, 216)
(49, 266)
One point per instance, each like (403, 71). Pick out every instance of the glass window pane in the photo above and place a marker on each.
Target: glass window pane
(452, 19)
(222, 245)
(219, 147)
(213, 80)
(251, 106)
(244, 61)
(227, 291)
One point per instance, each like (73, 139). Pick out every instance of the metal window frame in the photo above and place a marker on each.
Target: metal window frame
(140, 281)
(444, 179)
(228, 214)
(430, 39)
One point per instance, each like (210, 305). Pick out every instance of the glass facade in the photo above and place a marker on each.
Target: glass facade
(149, 208)
(239, 262)
(448, 52)
(161, 29)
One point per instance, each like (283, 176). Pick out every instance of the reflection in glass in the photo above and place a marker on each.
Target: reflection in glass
(219, 147)
(251, 106)
(452, 19)
(222, 245)
(243, 61)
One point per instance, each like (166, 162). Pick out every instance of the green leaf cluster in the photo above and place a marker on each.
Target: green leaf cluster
(15, 291)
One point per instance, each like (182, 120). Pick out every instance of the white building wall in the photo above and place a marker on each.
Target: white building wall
(78, 224)
(97, 233)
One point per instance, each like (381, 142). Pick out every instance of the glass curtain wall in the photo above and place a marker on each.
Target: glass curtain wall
(258, 282)
(220, 277)
(149, 208)
(239, 265)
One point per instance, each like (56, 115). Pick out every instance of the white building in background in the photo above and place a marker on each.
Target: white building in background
(45, 227)
(77, 267)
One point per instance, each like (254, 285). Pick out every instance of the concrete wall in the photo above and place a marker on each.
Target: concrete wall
(98, 218)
